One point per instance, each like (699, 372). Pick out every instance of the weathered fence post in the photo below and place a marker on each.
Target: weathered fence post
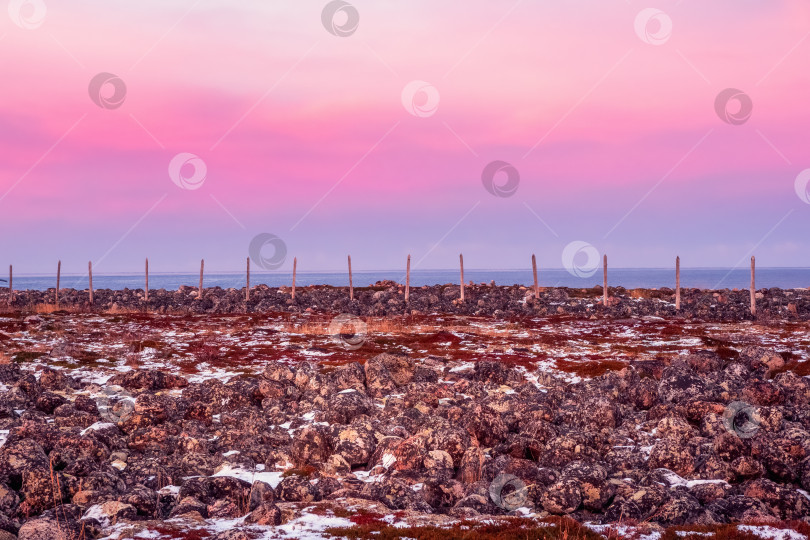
(408, 280)
(146, 282)
(677, 283)
(295, 270)
(351, 284)
(90, 273)
(247, 280)
(58, 276)
(604, 282)
(461, 263)
(753, 287)
(202, 267)
(534, 271)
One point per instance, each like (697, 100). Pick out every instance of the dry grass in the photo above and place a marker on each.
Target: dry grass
(44, 309)
(402, 326)
(371, 526)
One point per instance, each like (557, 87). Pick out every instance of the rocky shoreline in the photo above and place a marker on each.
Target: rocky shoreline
(387, 299)
(403, 442)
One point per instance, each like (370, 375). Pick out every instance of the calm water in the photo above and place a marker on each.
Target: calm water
(786, 278)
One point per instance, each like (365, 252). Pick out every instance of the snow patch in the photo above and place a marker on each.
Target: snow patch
(269, 477)
(97, 427)
(772, 533)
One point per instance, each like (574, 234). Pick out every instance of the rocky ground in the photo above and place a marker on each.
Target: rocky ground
(290, 426)
(388, 298)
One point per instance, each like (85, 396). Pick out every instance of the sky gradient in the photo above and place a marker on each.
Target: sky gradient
(305, 134)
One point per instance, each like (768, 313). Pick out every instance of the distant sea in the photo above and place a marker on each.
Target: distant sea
(704, 278)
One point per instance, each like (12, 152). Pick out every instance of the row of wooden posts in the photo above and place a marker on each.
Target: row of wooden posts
(407, 281)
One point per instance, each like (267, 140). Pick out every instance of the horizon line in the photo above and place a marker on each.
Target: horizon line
(358, 272)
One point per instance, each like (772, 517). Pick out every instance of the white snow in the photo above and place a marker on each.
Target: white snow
(270, 477)
(98, 426)
(309, 527)
(388, 460)
(675, 480)
(772, 533)
(95, 512)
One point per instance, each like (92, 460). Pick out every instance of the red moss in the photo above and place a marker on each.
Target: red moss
(590, 368)
(441, 336)
(168, 533)
(367, 518)
(801, 369)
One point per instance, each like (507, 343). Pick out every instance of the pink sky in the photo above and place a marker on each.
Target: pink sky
(280, 110)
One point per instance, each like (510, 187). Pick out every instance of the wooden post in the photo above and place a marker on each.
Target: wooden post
(10, 284)
(90, 273)
(247, 280)
(351, 284)
(295, 269)
(604, 282)
(408, 280)
(677, 283)
(202, 267)
(461, 263)
(146, 283)
(753, 287)
(534, 271)
(58, 276)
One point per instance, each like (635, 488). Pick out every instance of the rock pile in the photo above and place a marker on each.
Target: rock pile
(387, 298)
(700, 440)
